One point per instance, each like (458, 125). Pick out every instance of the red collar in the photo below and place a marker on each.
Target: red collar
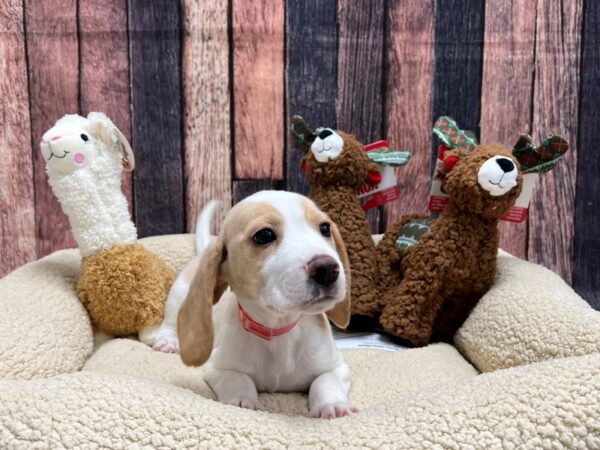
(251, 326)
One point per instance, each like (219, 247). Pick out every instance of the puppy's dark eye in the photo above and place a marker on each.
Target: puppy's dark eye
(84, 137)
(264, 236)
(325, 229)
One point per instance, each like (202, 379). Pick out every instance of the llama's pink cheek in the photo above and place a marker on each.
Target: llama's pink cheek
(79, 158)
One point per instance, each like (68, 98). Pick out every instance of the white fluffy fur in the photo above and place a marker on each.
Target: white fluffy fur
(91, 195)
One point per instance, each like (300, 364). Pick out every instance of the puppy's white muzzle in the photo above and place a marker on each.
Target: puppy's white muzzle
(328, 145)
(498, 175)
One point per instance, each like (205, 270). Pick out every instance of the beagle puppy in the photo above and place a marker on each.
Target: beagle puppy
(275, 273)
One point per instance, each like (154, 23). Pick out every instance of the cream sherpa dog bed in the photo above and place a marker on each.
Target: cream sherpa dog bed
(525, 373)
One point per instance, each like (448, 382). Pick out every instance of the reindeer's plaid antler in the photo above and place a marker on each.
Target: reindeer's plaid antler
(452, 136)
(542, 158)
(301, 134)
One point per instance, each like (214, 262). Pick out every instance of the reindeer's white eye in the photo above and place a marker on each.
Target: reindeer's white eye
(327, 145)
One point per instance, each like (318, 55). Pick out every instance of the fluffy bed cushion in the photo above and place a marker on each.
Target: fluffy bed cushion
(56, 391)
(547, 405)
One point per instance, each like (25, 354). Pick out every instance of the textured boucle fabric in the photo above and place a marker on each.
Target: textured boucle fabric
(554, 404)
(530, 314)
(421, 368)
(128, 396)
(124, 288)
(44, 329)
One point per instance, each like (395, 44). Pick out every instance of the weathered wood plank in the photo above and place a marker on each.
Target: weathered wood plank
(507, 88)
(244, 188)
(586, 246)
(408, 99)
(258, 41)
(458, 62)
(17, 207)
(156, 128)
(311, 43)
(206, 118)
(105, 86)
(359, 105)
(52, 48)
(555, 108)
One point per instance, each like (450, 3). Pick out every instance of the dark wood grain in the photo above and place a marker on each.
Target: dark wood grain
(506, 96)
(244, 188)
(408, 99)
(156, 129)
(17, 207)
(311, 74)
(105, 87)
(586, 245)
(359, 105)
(555, 109)
(52, 49)
(258, 77)
(458, 63)
(206, 98)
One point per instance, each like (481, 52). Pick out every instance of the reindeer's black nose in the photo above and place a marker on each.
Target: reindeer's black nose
(323, 134)
(323, 270)
(505, 164)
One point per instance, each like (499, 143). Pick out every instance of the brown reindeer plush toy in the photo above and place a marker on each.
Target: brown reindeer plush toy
(436, 270)
(453, 262)
(336, 166)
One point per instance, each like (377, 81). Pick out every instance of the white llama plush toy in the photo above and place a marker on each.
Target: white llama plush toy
(122, 285)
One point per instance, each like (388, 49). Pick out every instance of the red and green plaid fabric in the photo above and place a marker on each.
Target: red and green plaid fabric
(542, 158)
(452, 136)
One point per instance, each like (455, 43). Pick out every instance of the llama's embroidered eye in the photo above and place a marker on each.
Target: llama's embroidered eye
(325, 229)
(84, 137)
(264, 236)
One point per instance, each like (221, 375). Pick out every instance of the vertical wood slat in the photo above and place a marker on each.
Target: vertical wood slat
(408, 99)
(556, 92)
(586, 246)
(458, 63)
(52, 47)
(311, 74)
(245, 188)
(17, 207)
(156, 99)
(359, 105)
(508, 62)
(105, 86)
(258, 40)
(207, 134)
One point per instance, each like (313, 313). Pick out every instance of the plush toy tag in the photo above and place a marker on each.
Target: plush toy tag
(386, 190)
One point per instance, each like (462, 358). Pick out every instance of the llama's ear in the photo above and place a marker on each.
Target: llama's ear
(103, 128)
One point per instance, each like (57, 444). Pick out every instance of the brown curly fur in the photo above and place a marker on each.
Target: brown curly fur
(333, 186)
(437, 281)
(124, 289)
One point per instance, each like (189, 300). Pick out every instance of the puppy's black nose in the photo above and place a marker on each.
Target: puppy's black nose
(323, 270)
(323, 134)
(505, 164)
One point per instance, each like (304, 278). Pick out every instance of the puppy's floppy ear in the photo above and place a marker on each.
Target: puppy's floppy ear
(340, 313)
(194, 321)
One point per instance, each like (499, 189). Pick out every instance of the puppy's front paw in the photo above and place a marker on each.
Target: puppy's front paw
(332, 410)
(166, 342)
(246, 403)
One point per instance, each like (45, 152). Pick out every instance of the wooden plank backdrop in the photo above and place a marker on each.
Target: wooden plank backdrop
(206, 90)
